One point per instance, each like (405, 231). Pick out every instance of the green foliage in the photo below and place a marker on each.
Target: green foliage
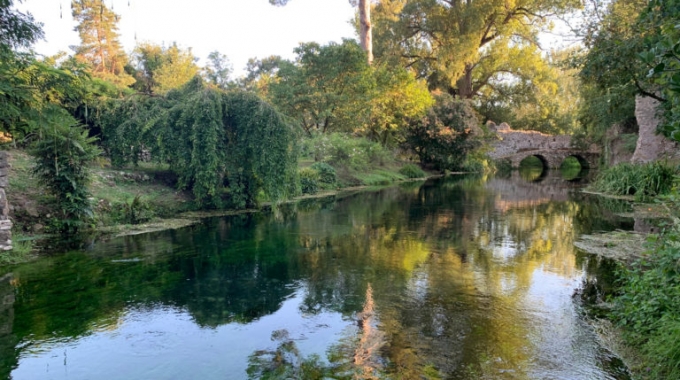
(326, 89)
(20, 252)
(218, 143)
(160, 69)
(217, 70)
(99, 46)
(647, 305)
(396, 99)
(442, 138)
(63, 155)
(662, 58)
(610, 70)
(309, 180)
(379, 177)
(482, 50)
(17, 30)
(327, 175)
(644, 181)
(341, 150)
(412, 171)
(134, 211)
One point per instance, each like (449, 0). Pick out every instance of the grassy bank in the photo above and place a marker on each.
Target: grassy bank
(143, 198)
(645, 304)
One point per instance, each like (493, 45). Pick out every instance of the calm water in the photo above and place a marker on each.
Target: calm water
(459, 278)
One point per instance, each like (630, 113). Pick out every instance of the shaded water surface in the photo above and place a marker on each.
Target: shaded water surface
(458, 278)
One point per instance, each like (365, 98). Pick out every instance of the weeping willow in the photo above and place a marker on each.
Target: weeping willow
(224, 146)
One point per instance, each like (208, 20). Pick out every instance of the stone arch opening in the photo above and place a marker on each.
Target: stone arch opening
(533, 168)
(544, 161)
(581, 160)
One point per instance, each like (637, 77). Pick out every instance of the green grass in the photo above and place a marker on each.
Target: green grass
(22, 247)
(20, 176)
(644, 181)
(412, 171)
(379, 177)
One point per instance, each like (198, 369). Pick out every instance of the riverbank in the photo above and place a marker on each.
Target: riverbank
(637, 317)
(142, 199)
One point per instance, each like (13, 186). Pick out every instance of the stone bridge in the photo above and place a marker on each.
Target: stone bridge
(552, 150)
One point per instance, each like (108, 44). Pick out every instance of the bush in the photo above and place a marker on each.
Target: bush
(643, 181)
(135, 211)
(327, 174)
(63, 155)
(412, 171)
(442, 138)
(342, 150)
(309, 181)
(648, 305)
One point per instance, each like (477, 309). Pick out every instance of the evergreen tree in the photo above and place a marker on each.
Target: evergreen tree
(99, 47)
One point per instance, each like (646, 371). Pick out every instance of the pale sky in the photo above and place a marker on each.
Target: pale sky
(241, 29)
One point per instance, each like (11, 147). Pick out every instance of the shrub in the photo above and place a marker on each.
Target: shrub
(342, 150)
(63, 155)
(327, 174)
(647, 305)
(309, 181)
(134, 211)
(442, 138)
(412, 171)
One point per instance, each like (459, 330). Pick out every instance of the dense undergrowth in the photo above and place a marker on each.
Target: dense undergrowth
(647, 296)
(647, 306)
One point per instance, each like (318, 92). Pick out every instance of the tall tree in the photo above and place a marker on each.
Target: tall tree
(465, 46)
(326, 89)
(99, 46)
(365, 29)
(161, 69)
(218, 69)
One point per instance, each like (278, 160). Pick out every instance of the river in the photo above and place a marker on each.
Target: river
(453, 278)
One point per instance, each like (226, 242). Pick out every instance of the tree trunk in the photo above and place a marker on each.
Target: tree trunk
(365, 28)
(464, 84)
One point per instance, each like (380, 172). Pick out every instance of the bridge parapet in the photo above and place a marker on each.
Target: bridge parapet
(516, 145)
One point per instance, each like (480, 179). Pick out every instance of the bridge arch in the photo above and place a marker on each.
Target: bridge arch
(581, 160)
(516, 145)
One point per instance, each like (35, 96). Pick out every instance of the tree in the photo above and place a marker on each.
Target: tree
(221, 145)
(397, 98)
(218, 69)
(442, 138)
(260, 73)
(662, 59)
(326, 89)
(17, 31)
(99, 46)
(465, 47)
(365, 29)
(160, 69)
(610, 69)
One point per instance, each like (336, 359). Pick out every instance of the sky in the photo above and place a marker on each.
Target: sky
(240, 29)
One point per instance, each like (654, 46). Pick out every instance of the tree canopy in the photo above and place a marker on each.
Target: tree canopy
(219, 144)
(461, 46)
(160, 69)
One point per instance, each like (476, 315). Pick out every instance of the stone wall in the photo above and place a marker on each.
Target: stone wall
(650, 145)
(5, 222)
(512, 141)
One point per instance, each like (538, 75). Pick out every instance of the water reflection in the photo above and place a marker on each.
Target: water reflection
(458, 278)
